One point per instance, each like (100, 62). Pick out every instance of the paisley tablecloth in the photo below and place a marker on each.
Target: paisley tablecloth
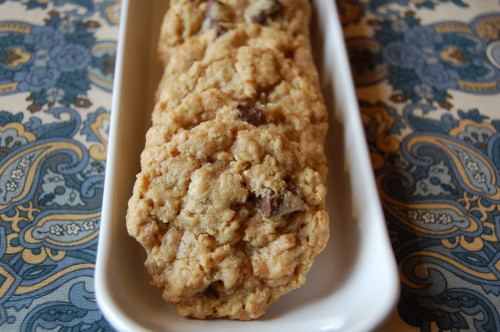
(428, 78)
(56, 72)
(428, 82)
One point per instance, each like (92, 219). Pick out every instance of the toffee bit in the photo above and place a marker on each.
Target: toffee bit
(251, 115)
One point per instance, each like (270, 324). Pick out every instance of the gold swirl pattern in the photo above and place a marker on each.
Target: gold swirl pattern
(422, 267)
(112, 12)
(26, 164)
(57, 62)
(64, 230)
(475, 170)
(34, 287)
(438, 219)
(100, 128)
(27, 214)
(473, 132)
(378, 122)
(428, 78)
(8, 281)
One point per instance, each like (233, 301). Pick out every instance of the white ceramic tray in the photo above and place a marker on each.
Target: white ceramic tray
(353, 284)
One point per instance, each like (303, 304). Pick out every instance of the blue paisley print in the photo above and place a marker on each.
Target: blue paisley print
(441, 211)
(79, 8)
(382, 7)
(436, 160)
(391, 8)
(52, 162)
(436, 164)
(426, 63)
(50, 197)
(52, 62)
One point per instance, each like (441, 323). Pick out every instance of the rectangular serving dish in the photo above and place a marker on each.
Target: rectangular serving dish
(353, 284)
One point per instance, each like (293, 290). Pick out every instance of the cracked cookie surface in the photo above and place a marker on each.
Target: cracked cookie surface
(231, 217)
(248, 79)
(187, 18)
(210, 45)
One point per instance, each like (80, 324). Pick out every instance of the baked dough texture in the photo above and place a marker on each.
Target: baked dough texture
(230, 201)
(187, 18)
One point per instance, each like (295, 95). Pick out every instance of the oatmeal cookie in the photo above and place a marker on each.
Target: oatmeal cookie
(213, 44)
(186, 18)
(255, 85)
(214, 105)
(248, 72)
(231, 218)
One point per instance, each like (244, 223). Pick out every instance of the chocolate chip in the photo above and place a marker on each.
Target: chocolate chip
(251, 197)
(272, 204)
(235, 207)
(268, 8)
(289, 54)
(251, 115)
(269, 205)
(211, 290)
(260, 18)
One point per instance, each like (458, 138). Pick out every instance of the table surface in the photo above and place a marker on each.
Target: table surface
(427, 76)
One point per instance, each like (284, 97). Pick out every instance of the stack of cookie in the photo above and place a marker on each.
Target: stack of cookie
(229, 204)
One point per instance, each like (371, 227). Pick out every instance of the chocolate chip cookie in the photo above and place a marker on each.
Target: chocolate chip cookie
(255, 85)
(229, 204)
(186, 18)
(231, 217)
(211, 45)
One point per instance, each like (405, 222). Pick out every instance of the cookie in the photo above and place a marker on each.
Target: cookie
(248, 72)
(231, 218)
(214, 44)
(186, 18)
(246, 83)
(214, 105)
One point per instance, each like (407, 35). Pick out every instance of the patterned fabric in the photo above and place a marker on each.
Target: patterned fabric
(428, 82)
(56, 72)
(428, 78)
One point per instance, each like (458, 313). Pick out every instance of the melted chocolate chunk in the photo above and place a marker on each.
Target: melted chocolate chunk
(211, 290)
(269, 205)
(272, 204)
(251, 197)
(269, 9)
(251, 115)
